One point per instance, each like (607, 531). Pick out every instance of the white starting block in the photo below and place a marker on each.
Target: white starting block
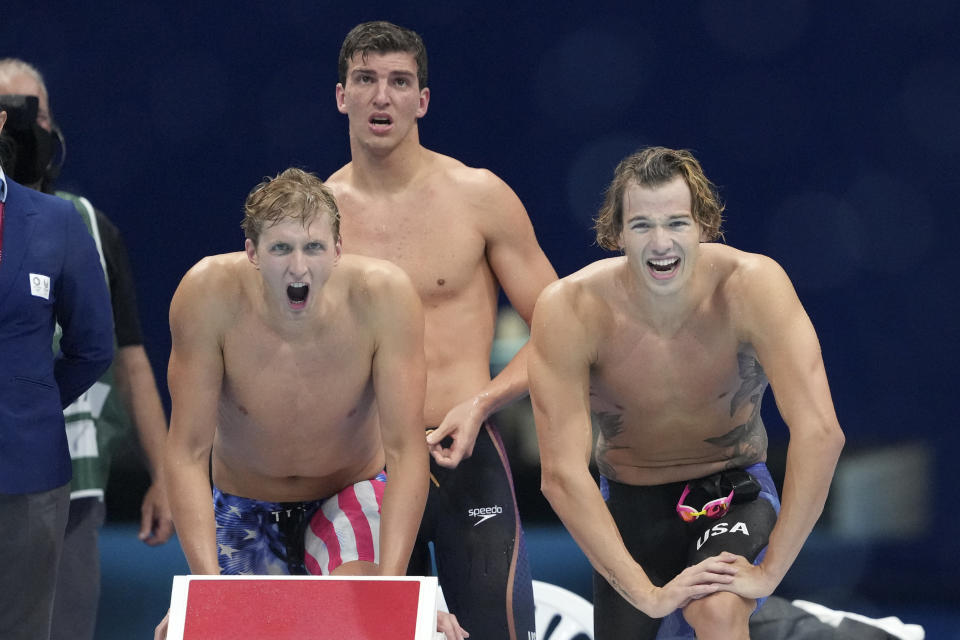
(302, 608)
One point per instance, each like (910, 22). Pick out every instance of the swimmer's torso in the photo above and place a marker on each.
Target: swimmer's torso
(434, 231)
(297, 413)
(670, 407)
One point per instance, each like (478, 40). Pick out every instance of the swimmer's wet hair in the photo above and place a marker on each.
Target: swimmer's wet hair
(382, 37)
(293, 194)
(654, 167)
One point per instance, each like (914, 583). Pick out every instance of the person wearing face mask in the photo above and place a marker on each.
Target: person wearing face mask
(50, 277)
(102, 414)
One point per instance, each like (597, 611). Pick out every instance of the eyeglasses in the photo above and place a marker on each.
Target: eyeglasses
(713, 509)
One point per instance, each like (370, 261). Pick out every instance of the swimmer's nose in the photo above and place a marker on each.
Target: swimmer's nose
(659, 240)
(298, 264)
(382, 97)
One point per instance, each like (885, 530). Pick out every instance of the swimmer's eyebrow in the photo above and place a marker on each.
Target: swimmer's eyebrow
(368, 71)
(672, 217)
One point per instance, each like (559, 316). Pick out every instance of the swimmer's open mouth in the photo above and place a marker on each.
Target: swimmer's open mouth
(380, 121)
(297, 292)
(665, 265)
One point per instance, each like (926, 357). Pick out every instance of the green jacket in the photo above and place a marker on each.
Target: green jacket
(97, 421)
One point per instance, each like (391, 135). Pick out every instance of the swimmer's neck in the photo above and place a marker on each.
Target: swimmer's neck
(665, 314)
(291, 325)
(388, 170)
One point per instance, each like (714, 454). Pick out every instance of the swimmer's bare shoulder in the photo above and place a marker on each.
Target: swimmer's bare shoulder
(377, 289)
(477, 188)
(347, 194)
(213, 289)
(750, 281)
(340, 179)
(590, 290)
(579, 308)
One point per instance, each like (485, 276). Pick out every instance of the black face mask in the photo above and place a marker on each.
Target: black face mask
(27, 150)
(8, 151)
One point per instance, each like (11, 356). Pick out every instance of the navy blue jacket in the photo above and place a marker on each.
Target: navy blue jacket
(50, 273)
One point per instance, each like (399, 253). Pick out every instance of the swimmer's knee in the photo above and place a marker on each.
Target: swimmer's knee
(720, 615)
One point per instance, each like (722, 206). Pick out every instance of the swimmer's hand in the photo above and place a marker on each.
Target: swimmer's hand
(461, 425)
(751, 581)
(447, 625)
(693, 583)
(160, 633)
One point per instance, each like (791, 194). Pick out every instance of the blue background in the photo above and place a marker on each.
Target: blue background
(830, 129)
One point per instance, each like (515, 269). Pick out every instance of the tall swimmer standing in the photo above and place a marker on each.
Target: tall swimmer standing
(461, 234)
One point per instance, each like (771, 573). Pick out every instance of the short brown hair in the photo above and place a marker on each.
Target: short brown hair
(653, 167)
(383, 37)
(293, 194)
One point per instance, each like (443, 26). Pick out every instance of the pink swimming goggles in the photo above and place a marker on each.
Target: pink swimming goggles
(713, 509)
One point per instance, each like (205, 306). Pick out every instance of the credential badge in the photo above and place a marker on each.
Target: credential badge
(40, 285)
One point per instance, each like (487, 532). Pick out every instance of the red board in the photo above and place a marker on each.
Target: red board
(301, 610)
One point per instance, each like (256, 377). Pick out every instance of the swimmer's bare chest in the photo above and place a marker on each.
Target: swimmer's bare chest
(669, 408)
(436, 244)
(440, 247)
(297, 408)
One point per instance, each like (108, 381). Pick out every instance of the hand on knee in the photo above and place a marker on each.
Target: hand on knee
(720, 615)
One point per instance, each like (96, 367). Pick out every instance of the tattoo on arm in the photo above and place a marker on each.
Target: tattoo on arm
(615, 583)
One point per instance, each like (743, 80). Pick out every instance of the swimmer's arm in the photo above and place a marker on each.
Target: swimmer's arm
(522, 270)
(399, 378)
(559, 365)
(789, 352)
(194, 376)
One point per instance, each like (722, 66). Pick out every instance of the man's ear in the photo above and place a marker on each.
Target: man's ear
(251, 250)
(338, 248)
(341, 105)
(424, 102)
(3, 119)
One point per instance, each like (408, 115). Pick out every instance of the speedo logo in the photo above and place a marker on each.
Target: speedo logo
(484, 513)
